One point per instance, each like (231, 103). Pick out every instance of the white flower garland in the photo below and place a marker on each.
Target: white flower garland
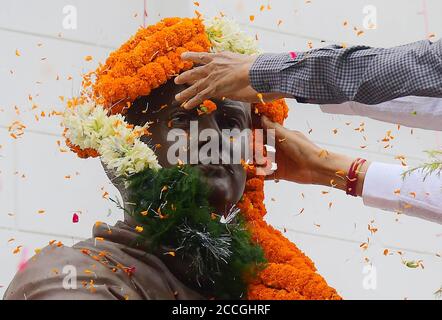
(226, 35)
(118, 143)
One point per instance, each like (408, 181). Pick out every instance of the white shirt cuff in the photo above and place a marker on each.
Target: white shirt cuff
(384, 188)
(381, 182)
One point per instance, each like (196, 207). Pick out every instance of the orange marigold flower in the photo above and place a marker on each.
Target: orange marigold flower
(207, 107)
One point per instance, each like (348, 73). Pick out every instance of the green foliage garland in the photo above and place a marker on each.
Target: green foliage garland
(172, 207)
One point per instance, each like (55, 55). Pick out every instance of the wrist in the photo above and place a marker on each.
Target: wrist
(333, 169)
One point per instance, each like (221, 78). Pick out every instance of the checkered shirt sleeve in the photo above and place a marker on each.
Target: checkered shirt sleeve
(367, 75)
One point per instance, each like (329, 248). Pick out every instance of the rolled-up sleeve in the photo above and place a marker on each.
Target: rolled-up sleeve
(385, 188)
(367, 75)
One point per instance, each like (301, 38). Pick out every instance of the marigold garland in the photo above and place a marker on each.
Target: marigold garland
(290, 274)
(149, 59)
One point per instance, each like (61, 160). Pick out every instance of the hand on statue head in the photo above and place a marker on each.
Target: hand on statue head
(220, 75)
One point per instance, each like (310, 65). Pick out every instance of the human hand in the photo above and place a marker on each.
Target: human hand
(300, 160)
(220, 75)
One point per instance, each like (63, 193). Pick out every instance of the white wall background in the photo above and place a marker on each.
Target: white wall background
(33, 170)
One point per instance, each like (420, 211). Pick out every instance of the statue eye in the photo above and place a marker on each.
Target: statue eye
(233, 123)
(229, 122)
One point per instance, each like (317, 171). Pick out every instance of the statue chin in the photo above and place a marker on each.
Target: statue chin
(226, 184)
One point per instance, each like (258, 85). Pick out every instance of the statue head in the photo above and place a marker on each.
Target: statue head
(221, 168)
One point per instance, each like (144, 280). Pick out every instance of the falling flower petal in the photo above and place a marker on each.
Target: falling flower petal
(17, 249)
(323, 154)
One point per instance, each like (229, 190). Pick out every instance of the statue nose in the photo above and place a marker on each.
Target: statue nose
(208, 122)
(209, 128)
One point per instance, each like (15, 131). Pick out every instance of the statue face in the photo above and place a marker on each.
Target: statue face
(226, 181)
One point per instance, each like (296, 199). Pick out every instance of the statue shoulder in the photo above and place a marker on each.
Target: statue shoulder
(65, 273)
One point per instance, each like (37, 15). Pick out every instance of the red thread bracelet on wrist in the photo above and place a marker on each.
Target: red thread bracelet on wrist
(353, 176)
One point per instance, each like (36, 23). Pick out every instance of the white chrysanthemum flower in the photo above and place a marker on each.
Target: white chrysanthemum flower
(226, 35)
(89, 126)
(126, 159)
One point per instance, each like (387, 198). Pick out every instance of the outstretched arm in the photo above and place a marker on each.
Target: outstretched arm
(380, 185)
(328, 75)
(363, 74)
